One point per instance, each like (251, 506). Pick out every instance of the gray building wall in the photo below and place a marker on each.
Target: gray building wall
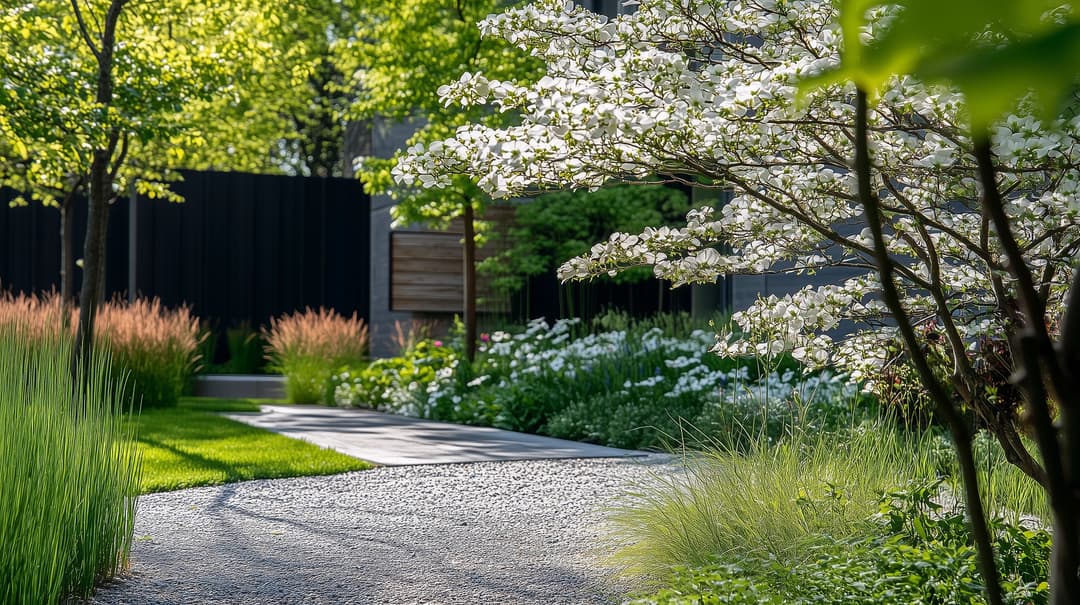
(386, 138)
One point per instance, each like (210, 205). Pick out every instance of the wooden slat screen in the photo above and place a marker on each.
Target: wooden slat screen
(426, 267)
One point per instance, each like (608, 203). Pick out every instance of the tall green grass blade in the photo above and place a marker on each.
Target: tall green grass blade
(68, 473)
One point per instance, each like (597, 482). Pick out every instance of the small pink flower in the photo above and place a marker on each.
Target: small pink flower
(437, 343)
(485, 337)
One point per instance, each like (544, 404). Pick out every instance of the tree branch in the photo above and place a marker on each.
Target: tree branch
(961, 439)
(83, 31)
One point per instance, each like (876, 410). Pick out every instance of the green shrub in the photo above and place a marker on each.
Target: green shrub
(156, 348)
(308, 346)
(68, 476)
(637, 419)
(207, 350)
(915, 552)
(245, 345)
(637, 387)
(397, 384)
(555, 227)
(246, 348)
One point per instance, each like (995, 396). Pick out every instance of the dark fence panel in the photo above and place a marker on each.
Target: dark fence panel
(240, 249)
(30, 246)
(245, 247)
(544, 296)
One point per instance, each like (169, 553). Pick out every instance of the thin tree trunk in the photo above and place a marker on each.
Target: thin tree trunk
(1039, 364)
(470, 282)
(93, 255)
(103, 260)
(100, 188)
(944, 404)
(1065, 556)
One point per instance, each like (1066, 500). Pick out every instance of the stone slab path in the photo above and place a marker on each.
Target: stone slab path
(391, 440)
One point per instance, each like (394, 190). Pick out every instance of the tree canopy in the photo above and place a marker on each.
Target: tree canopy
(400, 56)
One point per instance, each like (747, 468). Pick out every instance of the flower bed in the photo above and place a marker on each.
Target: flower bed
(624, 388)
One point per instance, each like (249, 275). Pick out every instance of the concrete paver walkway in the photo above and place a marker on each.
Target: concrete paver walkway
(392, 440)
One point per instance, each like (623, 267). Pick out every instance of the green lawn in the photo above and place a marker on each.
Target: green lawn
(190, 446)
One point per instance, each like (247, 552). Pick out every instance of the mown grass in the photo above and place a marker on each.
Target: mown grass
(192, 445)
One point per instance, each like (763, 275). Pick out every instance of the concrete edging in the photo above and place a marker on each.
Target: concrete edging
(240, 385)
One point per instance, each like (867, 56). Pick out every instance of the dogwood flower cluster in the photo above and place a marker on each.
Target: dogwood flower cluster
(706, 92)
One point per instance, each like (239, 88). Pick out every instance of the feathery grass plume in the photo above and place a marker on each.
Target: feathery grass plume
(70, 472)
(775, 502)
(158, 347)
(308, 346)
(37, 318)
(779, 502)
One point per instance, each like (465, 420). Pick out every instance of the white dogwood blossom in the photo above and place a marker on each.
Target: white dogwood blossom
(706, 92)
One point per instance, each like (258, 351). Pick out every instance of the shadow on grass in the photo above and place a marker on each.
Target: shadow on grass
(231, 472)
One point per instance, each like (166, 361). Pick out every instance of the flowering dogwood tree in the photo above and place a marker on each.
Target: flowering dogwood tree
(707, 92)
(977, 231)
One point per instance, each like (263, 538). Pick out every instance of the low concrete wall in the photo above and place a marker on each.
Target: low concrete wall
(240, 385)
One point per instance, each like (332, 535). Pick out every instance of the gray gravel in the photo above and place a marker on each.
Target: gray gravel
(492, 532)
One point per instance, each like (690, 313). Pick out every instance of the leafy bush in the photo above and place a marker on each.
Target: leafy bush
(555, 227)
(308, 346)
(246, 349)
(395, 384)
(155, 346)
(917, 553)
(69, 472)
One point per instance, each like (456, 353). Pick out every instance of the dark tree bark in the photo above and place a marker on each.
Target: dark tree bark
(67, 248)
(470, 282)
(943, 402)
(102, 172)
(1039, 363)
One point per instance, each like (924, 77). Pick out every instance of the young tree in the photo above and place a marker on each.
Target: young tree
(402, 54)
(98, 97)
(966, 237)
(93, 94)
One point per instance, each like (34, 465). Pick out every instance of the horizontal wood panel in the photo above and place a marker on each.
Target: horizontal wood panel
(427, 270)
(409, 241)
(450, 292)
(413, 264)
(406, 278)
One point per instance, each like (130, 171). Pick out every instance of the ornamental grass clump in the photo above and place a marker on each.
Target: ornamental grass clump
(309, 346)
(773, 502)
(36, 317)
(156, 346)
(69, 472)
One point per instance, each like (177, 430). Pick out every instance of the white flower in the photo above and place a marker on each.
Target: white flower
(650, 93)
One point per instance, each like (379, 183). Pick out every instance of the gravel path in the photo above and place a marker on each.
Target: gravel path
(492, 532)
